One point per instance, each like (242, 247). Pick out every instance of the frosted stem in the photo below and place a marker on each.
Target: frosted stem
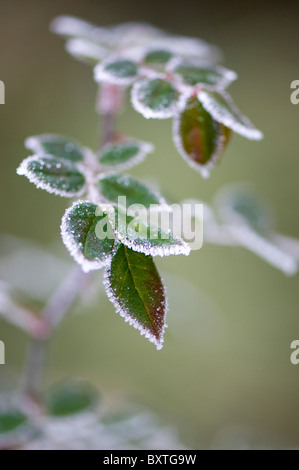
(109, 104)
(57, 306)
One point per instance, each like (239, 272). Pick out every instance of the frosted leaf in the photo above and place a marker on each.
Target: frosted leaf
(222, 109)
(154, 98)
(71, 26)
(192, 72)
(120, 71)
(56, 145)
(157, 56)
(15, 426)
(125, 154)
(71, 397)
(240, 204)
(123, 36)
(138, 233)
(249, 221)
(134, 286)
(132, 191)
(79, 235)
(78, 28)
(55, 175)
(198, 137)
(85, 50)
(191, 48)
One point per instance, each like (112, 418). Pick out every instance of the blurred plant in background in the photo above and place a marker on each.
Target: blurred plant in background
(170, 77)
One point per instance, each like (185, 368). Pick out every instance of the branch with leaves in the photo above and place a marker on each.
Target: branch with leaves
(169, 77)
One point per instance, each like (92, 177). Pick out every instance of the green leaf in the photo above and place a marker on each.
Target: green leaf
(55, 175)
(154, 98)
(222, 109)
(143, 235)
(114, 186)
(88, 235)
(125, 154)
(193, 74)
(198, 137)
(71, 397)
(120, 72)
(15, 428)
(134, 286)
(11, 420)
(56, 145)
(158, 56)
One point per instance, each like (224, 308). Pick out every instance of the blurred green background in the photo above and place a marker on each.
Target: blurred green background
(224, 377)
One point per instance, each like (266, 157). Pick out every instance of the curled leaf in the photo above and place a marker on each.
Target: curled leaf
(198, 137)
(134, 286)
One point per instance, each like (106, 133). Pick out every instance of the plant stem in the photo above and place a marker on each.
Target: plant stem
(109, 104)
(57, 306)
